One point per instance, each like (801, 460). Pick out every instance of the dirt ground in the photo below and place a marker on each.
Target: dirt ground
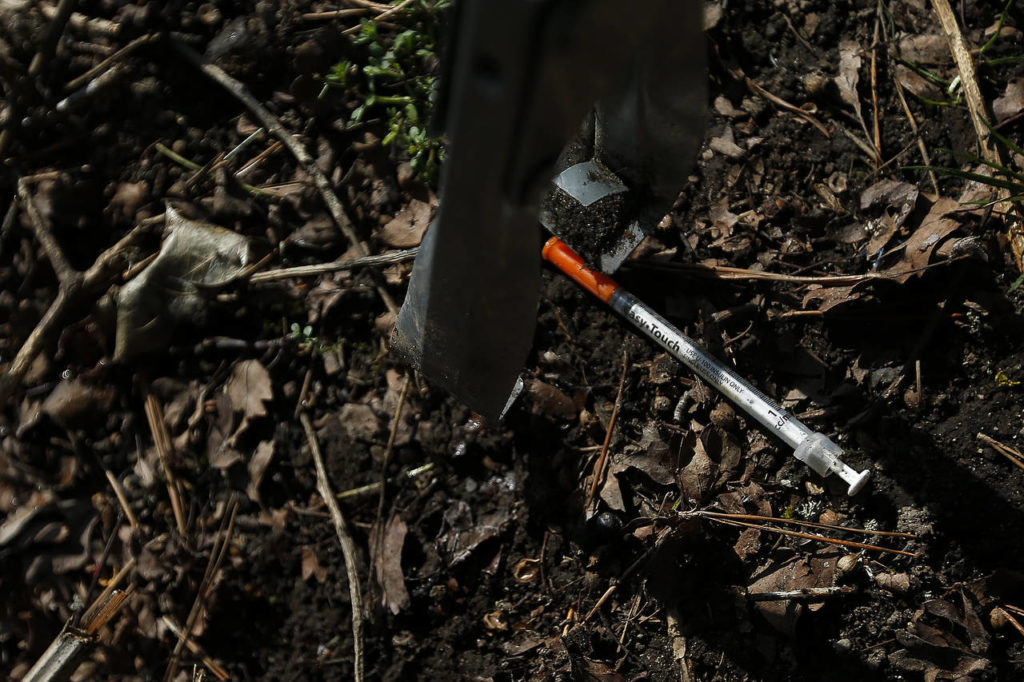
(863, 295)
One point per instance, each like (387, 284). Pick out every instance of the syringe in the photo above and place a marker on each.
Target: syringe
(816, 450)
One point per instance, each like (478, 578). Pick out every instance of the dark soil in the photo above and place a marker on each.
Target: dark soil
(490, 565)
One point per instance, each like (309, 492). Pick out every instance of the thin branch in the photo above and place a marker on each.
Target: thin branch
(378, 533)
(272, 124)
(164, 451)
(391, 11)
(810, 593)
(76, 293)
(807, 524)
(48, 45)
(602, 459)
(348, 545)
(324, 268)
(810, 536)
(217, 555)
(1006, 451)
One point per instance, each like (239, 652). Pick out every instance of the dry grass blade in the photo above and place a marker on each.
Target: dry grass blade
(164, 450)
(217, 555)
(214, 667)
(76, 289)
(325, 268)
(806, 536)
(270, 122)
(968, 77)
(602, 460)
(90, 620)
(1005, 450)
(806, 524)
(60, 660)
(348, 546)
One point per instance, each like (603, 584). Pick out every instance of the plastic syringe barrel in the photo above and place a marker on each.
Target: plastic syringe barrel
(755, 403)
(816, 450)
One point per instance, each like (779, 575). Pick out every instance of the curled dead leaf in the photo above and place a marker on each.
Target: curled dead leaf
(496, 620)
(526, 570)
(168, 293)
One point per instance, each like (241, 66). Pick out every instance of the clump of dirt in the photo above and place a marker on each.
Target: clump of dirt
(590, 230)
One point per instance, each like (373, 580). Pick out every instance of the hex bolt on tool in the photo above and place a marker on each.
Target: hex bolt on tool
(816, 450)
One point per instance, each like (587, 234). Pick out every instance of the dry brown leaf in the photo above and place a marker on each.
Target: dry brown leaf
(248, 388)
(548, 401)
(802, 573)
(258, 464)
(849, 75)
(168, 292)
(1012, 101)
(311, 566)
(830, 297)
(73, 401)
(925, 49)
(406, 229)
(918, 250)
(894, 200)
(698, 476)
(526, 570)
(722, 218)
(726, 144)
(359, 421)
(388, 564)
(611, 492)
(917, 84)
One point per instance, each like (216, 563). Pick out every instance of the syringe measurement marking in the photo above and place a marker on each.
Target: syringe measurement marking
(714, 373)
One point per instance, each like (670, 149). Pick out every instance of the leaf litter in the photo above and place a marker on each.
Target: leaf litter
(456, 592)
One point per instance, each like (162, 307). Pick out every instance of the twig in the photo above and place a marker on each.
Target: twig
(811, 593)
(73, 295)
(1004, 611)
(968, 78)
(906, 107)
(378, 535)
(48, 44)
(217, 554)
(164, 451)
(60, 660)
(335, 14)
(874, 91)
(807, 524)
(602, 459)
(259, 158)
(81, 22)
(779, 102)
(79, 81)
(324, 268)
(369, 4)
(61, 267)
(614, 585)
(270, 122)
(216, 668)
(1006, 451)
(374, 487)
(724, 272)
(811, 536)
(383, 15)
(121, 499)
(348, 545)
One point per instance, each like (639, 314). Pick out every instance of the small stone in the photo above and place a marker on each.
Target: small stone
(843, 645)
